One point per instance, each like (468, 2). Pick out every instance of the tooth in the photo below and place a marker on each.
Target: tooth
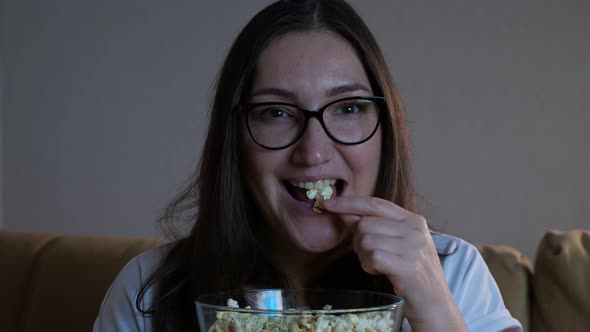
(319, 184)
(332, 182)
(326, 182)
(307, 185)
(299, 184)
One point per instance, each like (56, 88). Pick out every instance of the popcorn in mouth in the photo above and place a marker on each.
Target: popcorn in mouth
(319, 191)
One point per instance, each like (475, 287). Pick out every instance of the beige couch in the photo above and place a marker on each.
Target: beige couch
(52, 282)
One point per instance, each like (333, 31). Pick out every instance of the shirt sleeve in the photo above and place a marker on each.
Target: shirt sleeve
(118, 311)
(475, 291)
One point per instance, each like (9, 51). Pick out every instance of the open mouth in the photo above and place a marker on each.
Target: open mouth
(298, 189)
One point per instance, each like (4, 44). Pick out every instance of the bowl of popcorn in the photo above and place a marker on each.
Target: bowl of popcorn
(303, 310)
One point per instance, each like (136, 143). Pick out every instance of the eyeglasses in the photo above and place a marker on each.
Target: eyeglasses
(275, 125)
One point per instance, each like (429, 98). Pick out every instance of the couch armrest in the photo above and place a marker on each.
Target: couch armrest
(562, 282)
(57, 282)
(513, 273)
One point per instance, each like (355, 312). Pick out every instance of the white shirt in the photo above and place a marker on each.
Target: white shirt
(474, 289)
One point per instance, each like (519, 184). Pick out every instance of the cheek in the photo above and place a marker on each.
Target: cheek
(260, 165)
(375, 153)
(365, 163)
(249, 163)
(251, 160)
(254, 167)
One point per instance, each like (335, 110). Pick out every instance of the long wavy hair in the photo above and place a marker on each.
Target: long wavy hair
(223, 250)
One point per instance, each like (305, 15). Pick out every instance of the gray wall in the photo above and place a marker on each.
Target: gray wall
(106, 105)
(2, 30)
(1, 146)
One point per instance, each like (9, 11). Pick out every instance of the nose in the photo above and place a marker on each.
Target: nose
(314, 147)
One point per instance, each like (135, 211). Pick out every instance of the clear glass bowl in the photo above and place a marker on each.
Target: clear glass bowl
(299, 310)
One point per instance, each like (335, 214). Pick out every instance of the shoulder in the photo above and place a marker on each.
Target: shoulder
(457, 255)
(138, 270)
(461, 262)
(472, 285)
(141, 267)
(118, 311)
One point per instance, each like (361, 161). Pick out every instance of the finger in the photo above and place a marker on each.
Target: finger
(350, 218)
(366, 206)
(380, 262)
(367, 242)
(396, 237)
(376, 207)
(377, 225)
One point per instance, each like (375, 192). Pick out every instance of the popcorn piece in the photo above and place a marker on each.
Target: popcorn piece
(326, 193)
(320, 195)
(232, 303)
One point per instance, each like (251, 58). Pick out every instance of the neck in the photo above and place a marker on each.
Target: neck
(302, 268)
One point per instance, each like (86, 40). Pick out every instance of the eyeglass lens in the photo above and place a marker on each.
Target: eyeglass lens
(348, 121)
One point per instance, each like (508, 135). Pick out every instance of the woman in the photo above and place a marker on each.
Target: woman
(254, 225)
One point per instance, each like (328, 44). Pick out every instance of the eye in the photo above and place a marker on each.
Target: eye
(357, 107)
(350, 108)
(273, 113)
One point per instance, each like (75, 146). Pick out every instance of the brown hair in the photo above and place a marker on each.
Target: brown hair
(223, 250)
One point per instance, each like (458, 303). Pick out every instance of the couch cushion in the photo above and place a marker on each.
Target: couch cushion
(562, 282)
(19, 253)
(512, 271)
(70, 277)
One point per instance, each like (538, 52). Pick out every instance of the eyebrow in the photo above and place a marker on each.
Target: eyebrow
(347, 88)
(289, 94)
(275, 92)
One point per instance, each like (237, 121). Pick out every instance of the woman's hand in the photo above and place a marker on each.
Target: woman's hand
(395, 242)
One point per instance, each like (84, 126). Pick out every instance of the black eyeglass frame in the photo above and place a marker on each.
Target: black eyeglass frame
(318, 114)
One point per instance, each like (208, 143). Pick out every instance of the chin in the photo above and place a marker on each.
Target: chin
(319, 236)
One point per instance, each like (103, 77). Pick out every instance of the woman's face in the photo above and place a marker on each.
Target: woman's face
(308, 69)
